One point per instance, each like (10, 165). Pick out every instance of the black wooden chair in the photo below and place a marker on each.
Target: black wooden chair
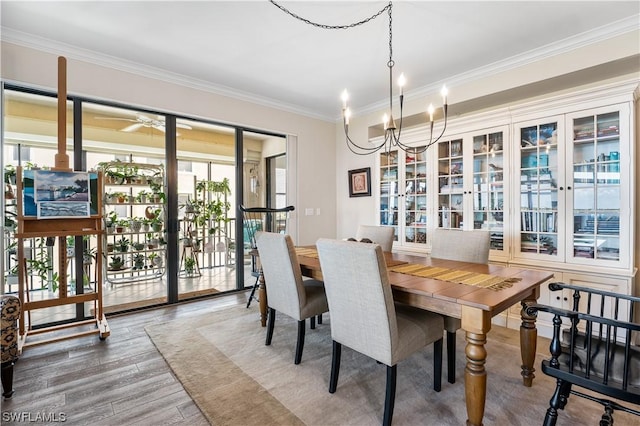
(256, 219)
(594, 350)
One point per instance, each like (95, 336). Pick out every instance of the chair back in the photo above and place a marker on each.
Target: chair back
(464, 246)
(382, 235)
(282, 273)
(359, 295)
(256, 219)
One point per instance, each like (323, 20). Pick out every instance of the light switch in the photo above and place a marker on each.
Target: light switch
(308, 212)
(318, 211)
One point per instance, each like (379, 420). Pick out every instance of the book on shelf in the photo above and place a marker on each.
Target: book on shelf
(535, 221)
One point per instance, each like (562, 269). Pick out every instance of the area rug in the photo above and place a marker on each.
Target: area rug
(222, 362)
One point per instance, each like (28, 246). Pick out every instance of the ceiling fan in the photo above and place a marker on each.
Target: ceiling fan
(144, 121)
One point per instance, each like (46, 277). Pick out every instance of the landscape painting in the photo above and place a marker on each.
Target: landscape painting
(61, 194)
(29, 193)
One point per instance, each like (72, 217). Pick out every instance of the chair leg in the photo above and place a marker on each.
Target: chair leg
(437, 365)
(451, 357)
(565, 391)
(607, 416)
(271, 319)
(558, 401)
(335, 366)
(300, 343)
(7, 379)
(253, 292)
(312, 323)
(320, 319)
(390, 396)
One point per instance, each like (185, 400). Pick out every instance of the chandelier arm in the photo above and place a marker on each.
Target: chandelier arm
(369, 151)
(405, 147)
(444, 127)
(350, 142)
(401, 116)
(331, 27)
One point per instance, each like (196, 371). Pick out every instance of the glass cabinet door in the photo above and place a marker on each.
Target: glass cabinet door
(596, 187)
(415, 190)
(539, 208)
(450, 184)
(488, 186)
(389, 195)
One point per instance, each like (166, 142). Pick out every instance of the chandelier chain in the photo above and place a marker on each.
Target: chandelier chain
(334, 27)
(390, 37)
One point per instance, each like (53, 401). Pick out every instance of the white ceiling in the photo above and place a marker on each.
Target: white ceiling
(252, 50)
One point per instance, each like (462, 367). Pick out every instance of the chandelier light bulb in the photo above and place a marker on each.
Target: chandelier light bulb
(444, 92)
(347, 115)
(430, 110)
(401, 82)
(345, 98)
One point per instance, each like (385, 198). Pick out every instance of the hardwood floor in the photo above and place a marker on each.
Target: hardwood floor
(121, 380)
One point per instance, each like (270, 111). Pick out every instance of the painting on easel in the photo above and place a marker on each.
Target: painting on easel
(61, 194)
(54, 194)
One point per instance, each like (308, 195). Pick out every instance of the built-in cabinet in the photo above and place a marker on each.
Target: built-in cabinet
(134, 212)
(403, 194)
(552, 180)
(574, 190)
(471, 184)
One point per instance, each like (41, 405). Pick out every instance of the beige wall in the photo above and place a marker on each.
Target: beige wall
(316, 148)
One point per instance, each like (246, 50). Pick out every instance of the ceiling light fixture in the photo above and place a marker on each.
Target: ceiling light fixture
(392, 131)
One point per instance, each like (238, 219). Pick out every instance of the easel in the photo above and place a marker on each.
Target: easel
(32, 227)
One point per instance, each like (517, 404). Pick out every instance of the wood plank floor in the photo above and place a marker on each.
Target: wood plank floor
(121, 380)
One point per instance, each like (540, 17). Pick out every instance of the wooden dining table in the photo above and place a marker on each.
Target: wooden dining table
(475, 305)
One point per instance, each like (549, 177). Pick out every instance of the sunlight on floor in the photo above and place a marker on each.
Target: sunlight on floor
(137, 294)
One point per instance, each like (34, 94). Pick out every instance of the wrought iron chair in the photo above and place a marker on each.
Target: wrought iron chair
(595, 351)
(256, 219)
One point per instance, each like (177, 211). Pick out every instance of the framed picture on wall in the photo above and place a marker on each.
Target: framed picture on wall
(360, 182)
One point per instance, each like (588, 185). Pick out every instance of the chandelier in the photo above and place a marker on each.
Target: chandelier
(392, 131)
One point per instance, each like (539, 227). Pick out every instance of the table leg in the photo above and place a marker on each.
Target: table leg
(476, 324)
(528, 343)
(475, 378)
(262, 297)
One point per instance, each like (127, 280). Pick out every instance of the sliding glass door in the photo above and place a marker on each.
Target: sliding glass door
(172, 188)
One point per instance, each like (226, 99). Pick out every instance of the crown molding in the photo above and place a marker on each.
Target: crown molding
(606, 32)
(72, 52)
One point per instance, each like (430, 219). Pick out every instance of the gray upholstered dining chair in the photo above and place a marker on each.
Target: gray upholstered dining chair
(364, 317)
(287, 292)
(382, 235)
(464, 246)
